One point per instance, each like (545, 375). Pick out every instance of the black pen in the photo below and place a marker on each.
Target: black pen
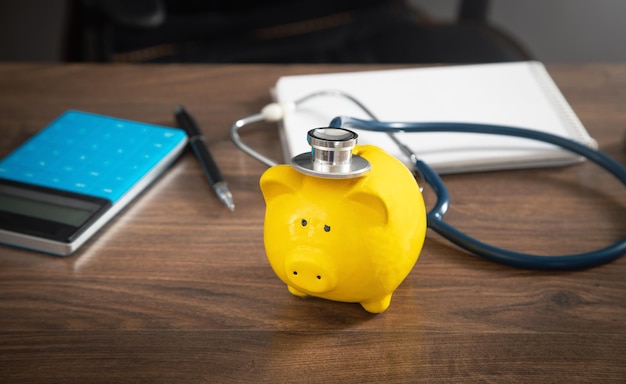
(196, 141)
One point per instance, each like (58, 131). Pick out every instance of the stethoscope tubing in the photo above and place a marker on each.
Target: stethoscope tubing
(436, 214)
(435, 217)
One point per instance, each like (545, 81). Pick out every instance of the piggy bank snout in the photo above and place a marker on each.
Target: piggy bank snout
(311, 273)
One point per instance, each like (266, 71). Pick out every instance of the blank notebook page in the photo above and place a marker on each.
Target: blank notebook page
(519, 94)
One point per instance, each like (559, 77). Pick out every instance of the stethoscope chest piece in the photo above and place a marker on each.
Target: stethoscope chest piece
(331, 155)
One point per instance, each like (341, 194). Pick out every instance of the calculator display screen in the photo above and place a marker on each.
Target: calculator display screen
(46, 212)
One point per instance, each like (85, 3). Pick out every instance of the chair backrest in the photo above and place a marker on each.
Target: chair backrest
(283, 31)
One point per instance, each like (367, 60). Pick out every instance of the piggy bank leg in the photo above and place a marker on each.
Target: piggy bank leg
(377, 305)
(295, 291)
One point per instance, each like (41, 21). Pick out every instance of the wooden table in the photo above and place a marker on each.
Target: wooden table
(177, 288)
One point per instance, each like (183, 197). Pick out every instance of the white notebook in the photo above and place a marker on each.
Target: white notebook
(520, 94)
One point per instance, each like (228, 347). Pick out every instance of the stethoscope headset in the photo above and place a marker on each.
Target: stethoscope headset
(435, 217)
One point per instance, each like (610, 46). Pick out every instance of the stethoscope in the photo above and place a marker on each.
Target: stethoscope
(435, 217)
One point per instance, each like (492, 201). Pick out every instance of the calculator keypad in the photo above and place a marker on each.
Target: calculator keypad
(90, 154)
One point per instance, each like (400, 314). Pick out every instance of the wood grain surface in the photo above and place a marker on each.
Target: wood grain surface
(177, 289)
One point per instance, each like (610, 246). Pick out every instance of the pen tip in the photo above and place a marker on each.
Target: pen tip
(225, 196)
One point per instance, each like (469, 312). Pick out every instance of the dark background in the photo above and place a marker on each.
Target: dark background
(554, 30)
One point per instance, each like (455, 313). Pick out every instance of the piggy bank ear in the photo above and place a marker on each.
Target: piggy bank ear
(279, 180)
(373, 203)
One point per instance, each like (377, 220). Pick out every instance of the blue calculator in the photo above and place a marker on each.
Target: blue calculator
(66, 182)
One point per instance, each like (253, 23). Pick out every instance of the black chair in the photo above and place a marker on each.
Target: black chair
(283, 31)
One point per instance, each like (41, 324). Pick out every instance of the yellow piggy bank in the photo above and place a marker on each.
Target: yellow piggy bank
(349, 240)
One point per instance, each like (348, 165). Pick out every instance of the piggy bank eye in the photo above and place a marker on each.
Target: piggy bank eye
(304, 222)
(327, 228)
